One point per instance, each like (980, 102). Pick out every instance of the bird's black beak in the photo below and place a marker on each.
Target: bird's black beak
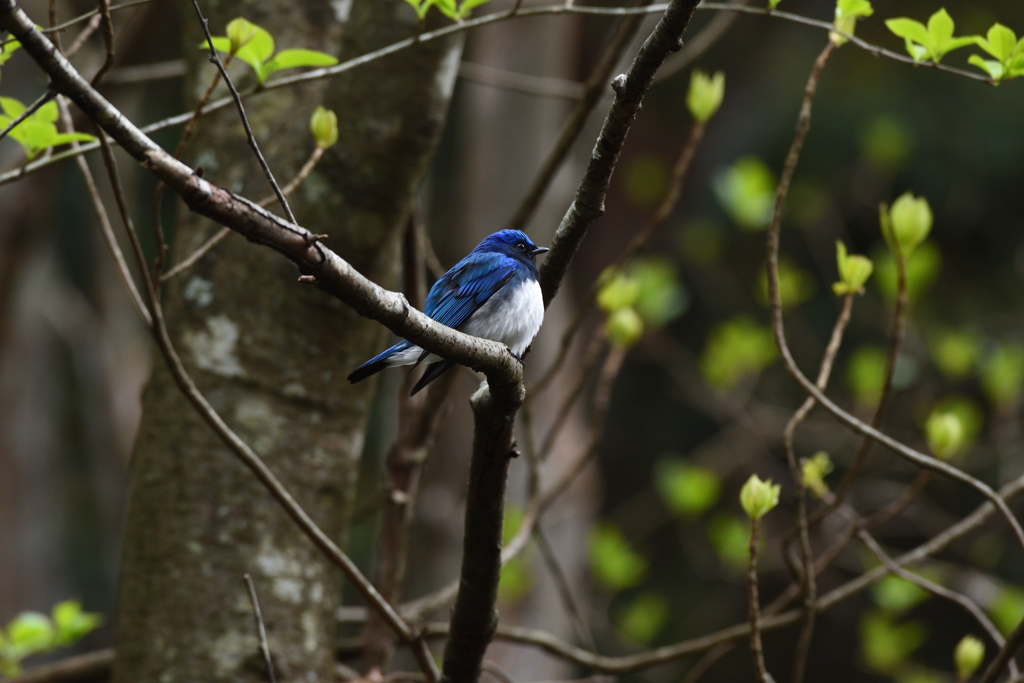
(539, 250)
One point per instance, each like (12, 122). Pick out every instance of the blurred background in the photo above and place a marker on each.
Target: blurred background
(650, 536)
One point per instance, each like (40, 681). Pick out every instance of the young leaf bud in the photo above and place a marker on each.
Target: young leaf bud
(907, 223)
(624, 327)
(814, 471)
(240, 32)
(759, 497)
(324, 125)
(847, 12)
(705, 94)
(968, 656)
(945, 434)
(854, 271)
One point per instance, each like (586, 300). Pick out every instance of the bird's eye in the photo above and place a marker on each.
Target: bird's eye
(522, 245)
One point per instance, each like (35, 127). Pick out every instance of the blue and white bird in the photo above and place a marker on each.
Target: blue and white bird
(493, 293)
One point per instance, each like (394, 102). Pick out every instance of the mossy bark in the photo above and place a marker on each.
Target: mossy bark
(271, 355)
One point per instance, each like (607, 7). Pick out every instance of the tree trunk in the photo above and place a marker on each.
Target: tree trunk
(272, 355)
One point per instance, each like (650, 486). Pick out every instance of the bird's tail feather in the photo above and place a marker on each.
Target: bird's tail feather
(377, 363)
(434, 370)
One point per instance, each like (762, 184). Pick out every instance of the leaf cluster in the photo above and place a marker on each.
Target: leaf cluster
(31, 633)
(254, 45)
(38, 132)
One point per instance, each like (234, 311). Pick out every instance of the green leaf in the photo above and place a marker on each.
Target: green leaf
(993, 68)
(8, 49)
(624, 327)
(72, 623)
(1001, 42)
(447, 8)
(940, 27)
(896, 595)
(65, 138)
(220, 44)
(467, 6)
(11, 107)
(294, 58)
(747, 192)
(908, 29)
(620, 291)
(955, 353)
(730, 537)
(644, 617)
(259, 48)
(29, 633)
(865, 374)
(885, 644)
(854, 8)
(772, 4)
(614, 564)
(47, 113)
(240, 31)
(736, 349)
(705, 94)
(854, 271)
(660, 297)
(1002, 375)
(1007, 609)
(687, 490)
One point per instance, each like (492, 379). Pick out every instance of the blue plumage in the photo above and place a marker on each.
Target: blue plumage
(492, 293)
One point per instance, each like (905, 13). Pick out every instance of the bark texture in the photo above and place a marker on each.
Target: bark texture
(272, 356)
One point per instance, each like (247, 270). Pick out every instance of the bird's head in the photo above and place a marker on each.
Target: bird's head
(513, 243)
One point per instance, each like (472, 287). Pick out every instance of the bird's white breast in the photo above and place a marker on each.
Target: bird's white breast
(512, 316)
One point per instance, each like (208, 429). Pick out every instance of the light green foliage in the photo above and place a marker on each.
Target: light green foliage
(967, 656)
(1007, 609)
(945, 434)
(736, 349)
(796, 285)
(38, 132)
(865, 374)
(758, 497)
(955, 353)
(31, 633)
(923, 267)
(814, 470)
(515, 581)
(906, 224)
(847, 13)
(324, 126)
(660, 298)
(687, 490)
(701, 242)
(747, 192)
(885, 142)
(705, 94)
(896, 596)
(1002, 375)
(971, 417)
(772, 4)
(449, 8)
(255, 46)
(643, 618)
(646, 179)
(8, 49)
(854, 271)
(730, 537)
(1000, 42)
(624, 327)
(932, 41)
(614, 564)
(885, 644)
(647, 293)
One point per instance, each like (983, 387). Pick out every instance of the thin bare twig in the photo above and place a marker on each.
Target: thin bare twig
(755, 607)
(108, 42)
(808, 576)
(564, 589)
(215, 58)
(261, 629)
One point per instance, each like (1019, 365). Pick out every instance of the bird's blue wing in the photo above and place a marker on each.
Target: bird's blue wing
(467, 286)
